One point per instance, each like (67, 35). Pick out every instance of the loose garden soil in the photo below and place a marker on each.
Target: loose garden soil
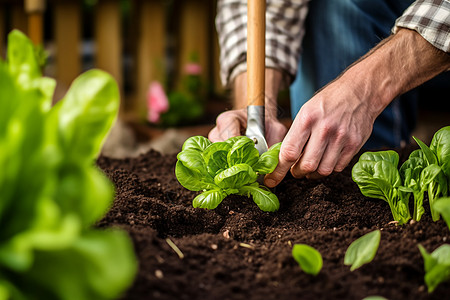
(239, 252)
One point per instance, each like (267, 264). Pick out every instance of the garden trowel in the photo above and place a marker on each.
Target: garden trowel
(256, 27)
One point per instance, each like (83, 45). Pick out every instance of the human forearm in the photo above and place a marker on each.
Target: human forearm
(398, 64)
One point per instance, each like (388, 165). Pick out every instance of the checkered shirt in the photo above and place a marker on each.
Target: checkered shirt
(285, 31)
(431, 19)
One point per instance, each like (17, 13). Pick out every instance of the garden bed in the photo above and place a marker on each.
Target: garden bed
(239, 252)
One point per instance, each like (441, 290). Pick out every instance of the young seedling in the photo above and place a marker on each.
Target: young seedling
(437, 155)
(51, 191)
(442, 206)
(417, 177)
(362, 250)
(308, 258)
(377, 177)
(437, 266)
(375, 298)
(224, 168)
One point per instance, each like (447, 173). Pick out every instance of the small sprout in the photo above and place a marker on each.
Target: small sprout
(442, 206)
(362, 250)
(308, 258)
(375, 298)
(437, 266)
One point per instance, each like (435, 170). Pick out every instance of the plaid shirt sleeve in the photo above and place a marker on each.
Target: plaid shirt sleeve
(431, 19)
(284, 33)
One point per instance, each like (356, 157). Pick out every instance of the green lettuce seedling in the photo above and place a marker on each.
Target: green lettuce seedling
(308, 258)
(362, 250)
(51, 191)
(417, 177)
(437, 266)
(224, 168)
(437, 154)
(377, 177)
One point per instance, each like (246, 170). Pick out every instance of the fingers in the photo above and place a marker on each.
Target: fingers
(275, 132)
(290, 152)
(228, 124)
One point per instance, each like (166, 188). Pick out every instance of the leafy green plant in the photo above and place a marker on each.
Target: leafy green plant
(437, 154)
(377, 177)
(52, 192)
(308, 258)
(362, 250)
(224, 168)
(442, 206)
(437, 266)
(417, 177)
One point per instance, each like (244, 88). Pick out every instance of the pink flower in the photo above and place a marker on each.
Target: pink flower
(157, 102)
(193, 69)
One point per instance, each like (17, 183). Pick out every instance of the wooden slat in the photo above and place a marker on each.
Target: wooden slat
(194, 34)
(108, 37)
(35, 12)
(151, 40)
(67, 28)
(218, 88)
(36, 27)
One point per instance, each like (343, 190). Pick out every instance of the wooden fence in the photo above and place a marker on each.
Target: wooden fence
(137, 41)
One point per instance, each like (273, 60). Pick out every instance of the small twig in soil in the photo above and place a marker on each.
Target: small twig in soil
(246, 245)
(175, 248)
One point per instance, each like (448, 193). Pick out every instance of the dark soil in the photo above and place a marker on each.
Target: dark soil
(239, 252)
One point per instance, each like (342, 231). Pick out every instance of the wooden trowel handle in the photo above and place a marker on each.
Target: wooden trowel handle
(256, 28)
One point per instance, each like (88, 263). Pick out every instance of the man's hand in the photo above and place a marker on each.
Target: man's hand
(333, 126)
(234, 122)
(325, 135)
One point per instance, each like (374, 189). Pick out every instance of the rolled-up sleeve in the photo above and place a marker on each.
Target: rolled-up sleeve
(284, 34)
(431, 19)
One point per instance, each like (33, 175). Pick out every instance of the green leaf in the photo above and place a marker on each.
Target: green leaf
(198, 143)
(22, 57)
(268, 161)
(263, 197)
(215, 157)
(192, 159)
(374, 298)
(377, 177)
(243, 151)
(429, 155)
(440, 145)
(52, 192)
(308, 258)
(84, 270)
(436, 189)
(437, 266)
(442, 206)
(209, 199)
(192, 179)
(235, 177)
(87, 113)
(389, 155)
(362, 250)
